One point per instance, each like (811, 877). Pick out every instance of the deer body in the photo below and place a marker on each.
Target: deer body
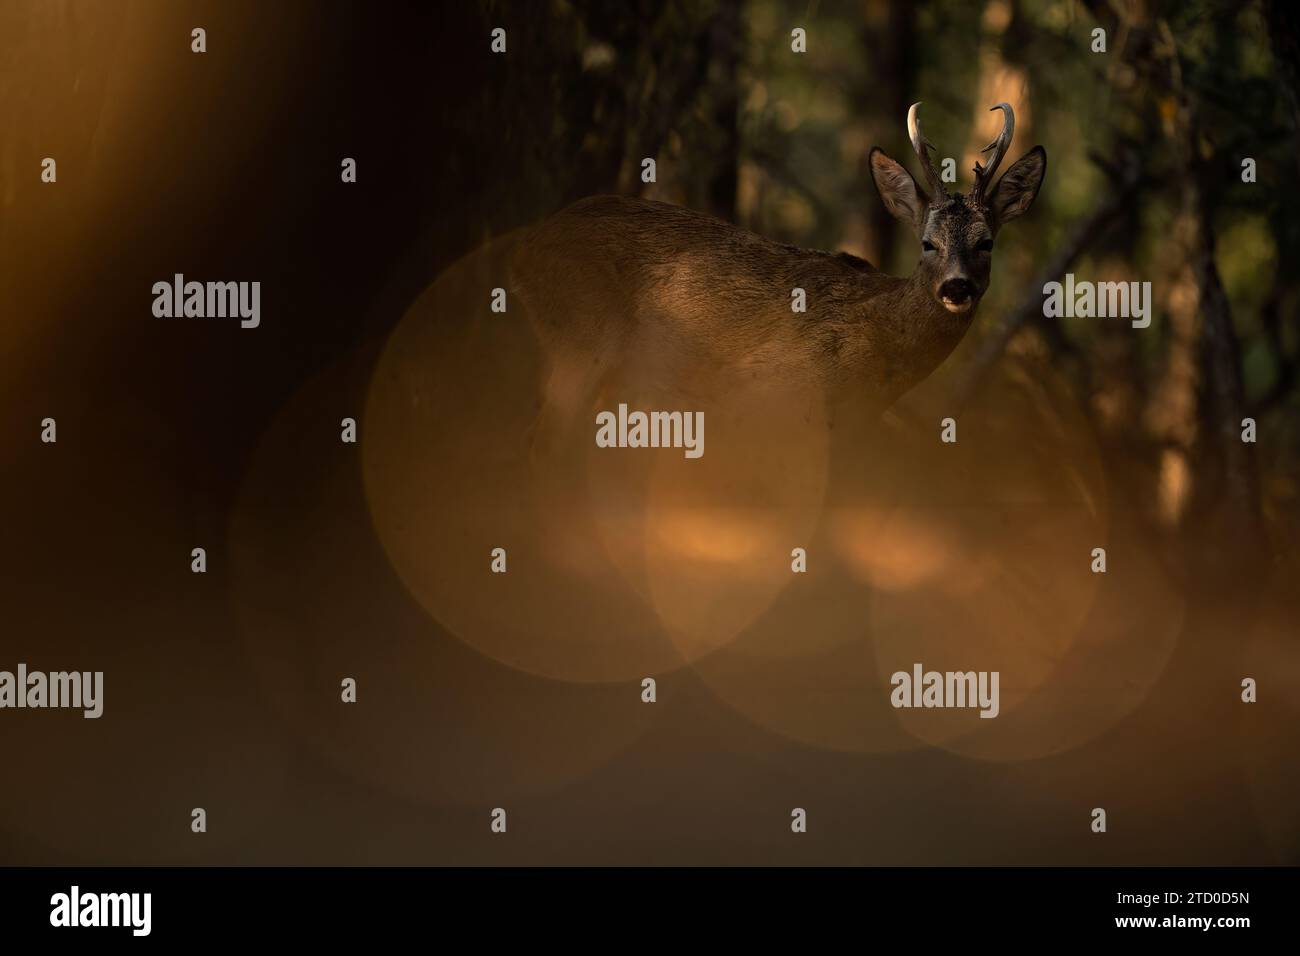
(642, 279)
(689, 301)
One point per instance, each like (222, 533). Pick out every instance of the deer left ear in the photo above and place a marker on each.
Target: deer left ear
(1019, 185)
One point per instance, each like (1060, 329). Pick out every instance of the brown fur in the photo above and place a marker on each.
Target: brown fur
(612, 279)
(680, 297)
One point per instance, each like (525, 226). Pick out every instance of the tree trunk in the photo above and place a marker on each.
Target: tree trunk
(888, 38)
(726, 40)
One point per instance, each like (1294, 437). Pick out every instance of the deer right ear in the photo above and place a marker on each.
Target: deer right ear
(904, 199)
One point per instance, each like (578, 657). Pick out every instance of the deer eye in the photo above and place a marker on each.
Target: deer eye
(927, 245)
(984, 245)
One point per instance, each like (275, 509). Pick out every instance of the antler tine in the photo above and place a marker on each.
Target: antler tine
(920, 144)
(984, 174)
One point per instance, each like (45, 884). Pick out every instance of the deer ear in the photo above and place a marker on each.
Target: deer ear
(904, 199)
(1019, 185)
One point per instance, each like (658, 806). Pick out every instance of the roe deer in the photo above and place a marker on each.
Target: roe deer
(612, 282)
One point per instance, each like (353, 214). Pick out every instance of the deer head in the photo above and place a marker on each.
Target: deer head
(956, 231)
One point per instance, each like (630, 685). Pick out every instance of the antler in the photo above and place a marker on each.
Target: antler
(922, 145)
(984, 174)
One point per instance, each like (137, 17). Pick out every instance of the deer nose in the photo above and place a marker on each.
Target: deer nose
(956, 290)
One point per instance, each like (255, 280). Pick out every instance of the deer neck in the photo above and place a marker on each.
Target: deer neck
(903, 334)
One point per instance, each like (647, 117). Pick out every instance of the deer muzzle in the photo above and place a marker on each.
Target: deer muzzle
(957, 295)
